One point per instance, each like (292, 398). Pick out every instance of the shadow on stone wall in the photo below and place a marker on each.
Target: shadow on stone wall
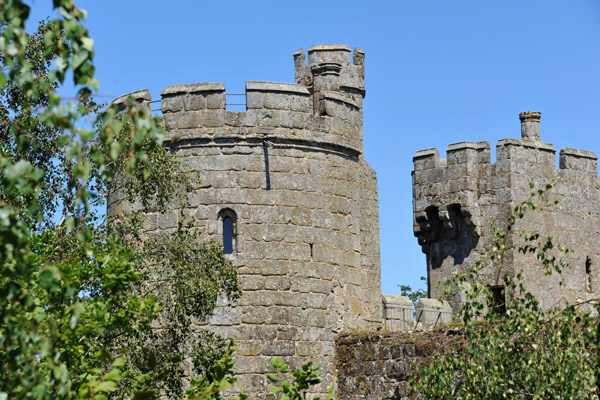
(448, 234)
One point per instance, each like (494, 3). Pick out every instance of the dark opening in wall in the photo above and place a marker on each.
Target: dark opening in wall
(447, 234)
(229, 226)
(227, 235)
(498, 301)
(588, 274)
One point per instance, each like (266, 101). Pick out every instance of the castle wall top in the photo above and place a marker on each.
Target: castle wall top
(323, 106)
(529, 148)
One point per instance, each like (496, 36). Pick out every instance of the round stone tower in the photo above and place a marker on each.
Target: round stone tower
(286, 190)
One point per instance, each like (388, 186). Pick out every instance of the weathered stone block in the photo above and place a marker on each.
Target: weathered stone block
(194, 102)
(279, 348)
(266, 315)
(171, 104)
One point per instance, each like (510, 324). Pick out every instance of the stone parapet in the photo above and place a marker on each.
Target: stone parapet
(274, 111)
(468, 153)
(193, 97)
(142, 98)
(432, 312)
(398, 313)
(579, 160)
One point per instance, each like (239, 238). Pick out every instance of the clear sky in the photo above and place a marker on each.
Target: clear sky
(437, 72)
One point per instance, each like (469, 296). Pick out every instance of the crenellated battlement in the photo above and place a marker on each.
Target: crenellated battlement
(323, 107)
(455, 200)
(478, 153)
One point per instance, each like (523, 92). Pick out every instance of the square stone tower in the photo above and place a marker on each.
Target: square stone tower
(456, 201)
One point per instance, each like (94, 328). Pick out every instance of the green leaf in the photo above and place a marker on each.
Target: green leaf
(106, 386)
(276, 362)
(275, 389)
(88, 43)
(79, 58)
(76, 311)
(118, 363)
(112, 375)
(94, 84)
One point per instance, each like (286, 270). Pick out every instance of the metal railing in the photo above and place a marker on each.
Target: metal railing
(154, 101)
(234, 104)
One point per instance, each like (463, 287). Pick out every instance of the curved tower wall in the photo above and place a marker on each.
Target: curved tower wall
(306, 240)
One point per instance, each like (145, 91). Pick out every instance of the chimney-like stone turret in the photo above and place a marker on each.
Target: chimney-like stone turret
(530, 124)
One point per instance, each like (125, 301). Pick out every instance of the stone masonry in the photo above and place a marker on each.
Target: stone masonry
(290, 173)
(286, 186)
(457, 199)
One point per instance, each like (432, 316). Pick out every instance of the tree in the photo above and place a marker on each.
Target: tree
(413, 295)
(523, 352)
(79, 297)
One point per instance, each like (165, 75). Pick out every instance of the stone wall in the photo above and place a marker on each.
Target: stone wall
(291, 172)
(377, 366)
(458, 198)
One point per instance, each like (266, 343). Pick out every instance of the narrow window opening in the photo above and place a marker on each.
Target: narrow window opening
(311, 251)
(588, 274)
(229, 230)
(227, 235)
(498, 300)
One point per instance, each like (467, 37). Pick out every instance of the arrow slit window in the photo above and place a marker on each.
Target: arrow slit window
(229, 228)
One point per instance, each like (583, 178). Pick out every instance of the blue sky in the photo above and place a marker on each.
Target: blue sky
(437, 72)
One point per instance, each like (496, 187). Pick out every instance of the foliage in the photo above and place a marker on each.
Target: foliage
(184, 293)
(524, 352)
(304, 377)
(217, 378)
(82, 312)
(413, 295)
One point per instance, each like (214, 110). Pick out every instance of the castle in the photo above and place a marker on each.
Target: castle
(287, 191)
(458, 199)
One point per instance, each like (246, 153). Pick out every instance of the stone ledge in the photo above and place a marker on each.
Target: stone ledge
(193, 88)
(329, 47)
(143, 95)
(395, 300)
(264, 86)
(433, 152)
(535, 144)
(467, 145)
(568, 151)
(328, 95)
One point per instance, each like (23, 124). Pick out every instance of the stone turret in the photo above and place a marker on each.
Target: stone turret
(290, 175)
(530, 124)
(458, 198)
